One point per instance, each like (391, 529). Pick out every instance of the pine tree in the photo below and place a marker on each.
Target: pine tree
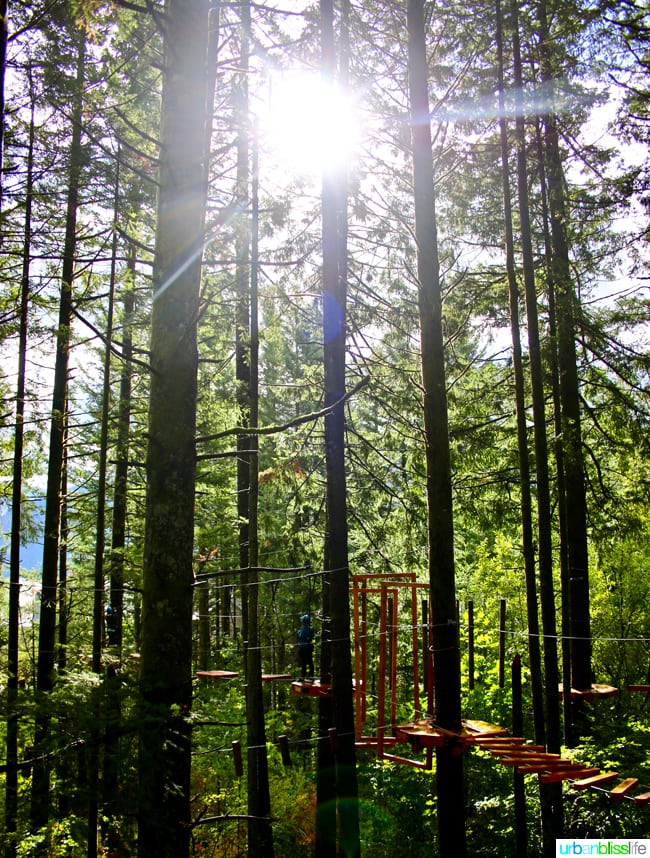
(166, 652)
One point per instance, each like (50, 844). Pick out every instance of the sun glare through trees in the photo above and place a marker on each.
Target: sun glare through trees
(310, 124)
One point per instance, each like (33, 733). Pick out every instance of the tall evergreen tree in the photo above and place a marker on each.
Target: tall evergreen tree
(4, 34)
(528, 546)
(166, 651)
(11, 784)
(40, 801)
(566, 321)
(445, 636)
(334, 279)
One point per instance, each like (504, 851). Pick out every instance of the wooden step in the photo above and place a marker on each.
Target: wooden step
(596, 780)
(482, 729)
(621, 790)
(530, 759)
(552, 765)
(514, 750)
(494, 741)
(566, 774)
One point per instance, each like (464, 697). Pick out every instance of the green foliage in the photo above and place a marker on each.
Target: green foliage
(490, 808)
(64, 838)
(620, 623)
(619, 742)
(397, 809)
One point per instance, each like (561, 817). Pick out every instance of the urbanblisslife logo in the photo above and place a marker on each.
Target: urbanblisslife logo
(602, 846)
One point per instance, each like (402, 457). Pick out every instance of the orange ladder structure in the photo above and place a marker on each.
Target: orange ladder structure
(389, 588)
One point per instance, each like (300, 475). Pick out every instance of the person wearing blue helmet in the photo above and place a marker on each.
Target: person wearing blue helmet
(305, 638)
(111, 625)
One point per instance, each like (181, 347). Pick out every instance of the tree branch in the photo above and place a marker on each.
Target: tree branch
(298, 421)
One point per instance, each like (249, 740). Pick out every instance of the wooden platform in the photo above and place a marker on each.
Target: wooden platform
(642, 689)
(313, 688)
(276, 677)
(596, 691)
(216, 674)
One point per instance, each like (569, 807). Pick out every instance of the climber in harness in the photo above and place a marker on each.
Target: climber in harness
(305, 638)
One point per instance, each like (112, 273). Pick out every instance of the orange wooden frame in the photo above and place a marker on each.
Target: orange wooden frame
(388, 587)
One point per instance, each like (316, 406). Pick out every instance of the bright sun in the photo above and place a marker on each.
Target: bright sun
(309, 124)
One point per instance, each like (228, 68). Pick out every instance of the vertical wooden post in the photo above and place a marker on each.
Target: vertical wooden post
(360, 688)
(414, 650)
(502, 642)
(521, 834)
(431, 671)
(393, 663)
(470, 642)
(283, 745)
(333, 739)
(425, 646)
(237, 759)
(364, 655)
(390, 631)
(381, 691)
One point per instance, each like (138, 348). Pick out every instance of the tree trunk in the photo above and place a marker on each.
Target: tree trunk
(559, 459)
(4, 33)
(100, 535)
(260, 836)
(334, 244)
(260, 832)
(64, 532)
(118, 522)
(446, 649)
(528, 546)
(11, 784)
(551, 794)
(325, 763)
(571, 437)
(111, 774)
(40, 805)
(242, 310)
(166, 652)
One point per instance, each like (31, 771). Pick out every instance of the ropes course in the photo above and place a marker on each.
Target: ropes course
(375, 690)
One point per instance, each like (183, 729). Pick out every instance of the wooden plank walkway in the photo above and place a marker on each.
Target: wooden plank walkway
(522, 756)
